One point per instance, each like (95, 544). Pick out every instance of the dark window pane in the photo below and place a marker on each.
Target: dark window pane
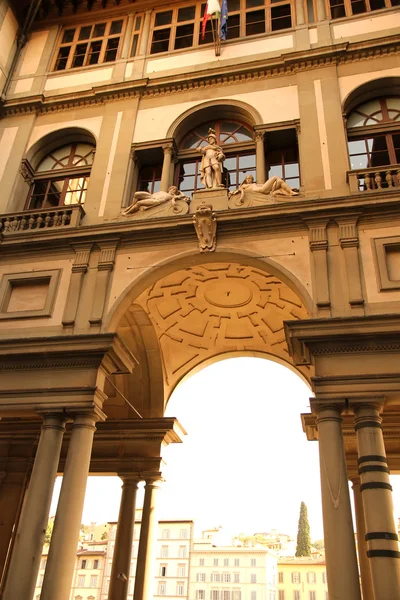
(163, 18)
(358, 7)
(337, 9)
(255, 22)
(94, 53)
(187, 13)
(377, 4)
(116, 27)
(138, 23)
(99, 30)
(233, 27)
(84, 33)
(254, 3)
(68, 36)
(208, 38)
(135, 42)
(281, 17)
(310, 11)
(234, 5)
(111, 50)
(79, 55)
(62, 58)
(184, 36)
(160, 41)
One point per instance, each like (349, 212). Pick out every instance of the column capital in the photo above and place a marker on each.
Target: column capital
(130, 478)
(54, 419)
(327, 410)
(86, 417)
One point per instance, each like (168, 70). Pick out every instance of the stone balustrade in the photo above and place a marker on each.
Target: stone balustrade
(34, 220)
(374, 179)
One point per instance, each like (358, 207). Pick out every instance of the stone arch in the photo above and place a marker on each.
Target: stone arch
(204, 306)
(227, 109)
(384, 86)
(55, 139)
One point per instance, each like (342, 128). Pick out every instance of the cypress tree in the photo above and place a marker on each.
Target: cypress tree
(303, 547)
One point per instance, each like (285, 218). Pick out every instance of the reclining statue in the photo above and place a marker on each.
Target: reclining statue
(274, 186)
(145, 200)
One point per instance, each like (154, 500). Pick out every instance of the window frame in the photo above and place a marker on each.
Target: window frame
(75, 42)
(348, 8)
(267, 6)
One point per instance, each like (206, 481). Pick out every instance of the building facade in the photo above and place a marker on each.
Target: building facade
(167, 199)
(302, 579)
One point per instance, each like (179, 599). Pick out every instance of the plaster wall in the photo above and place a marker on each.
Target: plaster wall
(33, 53)
(274, 105)
(8, 32)
(206, 58)
(350, 82)
(73, 80)
(366, 26)
(36, 325)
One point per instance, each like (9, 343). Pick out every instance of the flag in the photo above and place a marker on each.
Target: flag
(212, 7)
(223, 30)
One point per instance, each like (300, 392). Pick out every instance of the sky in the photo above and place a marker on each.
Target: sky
(245, 463)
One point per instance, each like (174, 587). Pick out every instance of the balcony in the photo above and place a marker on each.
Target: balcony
(374, 179)
(35, 220)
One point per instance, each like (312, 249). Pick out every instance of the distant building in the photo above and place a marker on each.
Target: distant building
(302, 579)
(230, 572)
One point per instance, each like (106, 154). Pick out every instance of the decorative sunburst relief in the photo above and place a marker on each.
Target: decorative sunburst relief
(212, 309)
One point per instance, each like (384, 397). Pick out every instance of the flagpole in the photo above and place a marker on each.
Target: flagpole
(218, 48)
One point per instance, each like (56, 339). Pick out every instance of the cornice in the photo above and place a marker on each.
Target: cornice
(232, 74)
(285, 217)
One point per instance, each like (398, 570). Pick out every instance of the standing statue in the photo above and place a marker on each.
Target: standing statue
(211, 166)
(274, 186)
(146, 200)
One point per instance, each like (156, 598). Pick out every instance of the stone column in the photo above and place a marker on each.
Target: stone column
(27, 551)
(363, 560)
(148, 535)
(300, 20)
(376, 491)
(64, 540)
(166, 168)
(340, 551)
(321, 10)
(261, 176)
(128, 36)
(119, 581)
(144, 42)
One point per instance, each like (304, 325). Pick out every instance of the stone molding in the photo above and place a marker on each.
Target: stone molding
(287, 64)
(313, 337)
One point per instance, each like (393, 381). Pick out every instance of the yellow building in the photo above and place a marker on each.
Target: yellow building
(302, 579)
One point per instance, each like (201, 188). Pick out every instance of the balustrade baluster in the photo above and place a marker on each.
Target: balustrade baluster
(367, 181)
(7, 224)
(31, 222)
(47, 220)
(378, 180)
(39, 221)
(64, 218)
(23, 223)
(389, 178)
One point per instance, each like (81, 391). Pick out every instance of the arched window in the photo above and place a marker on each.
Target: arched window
(373, 130)
(62, 176)
(237, 141)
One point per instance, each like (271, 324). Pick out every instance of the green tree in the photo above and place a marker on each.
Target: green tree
(49, 531)
(303, 547)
